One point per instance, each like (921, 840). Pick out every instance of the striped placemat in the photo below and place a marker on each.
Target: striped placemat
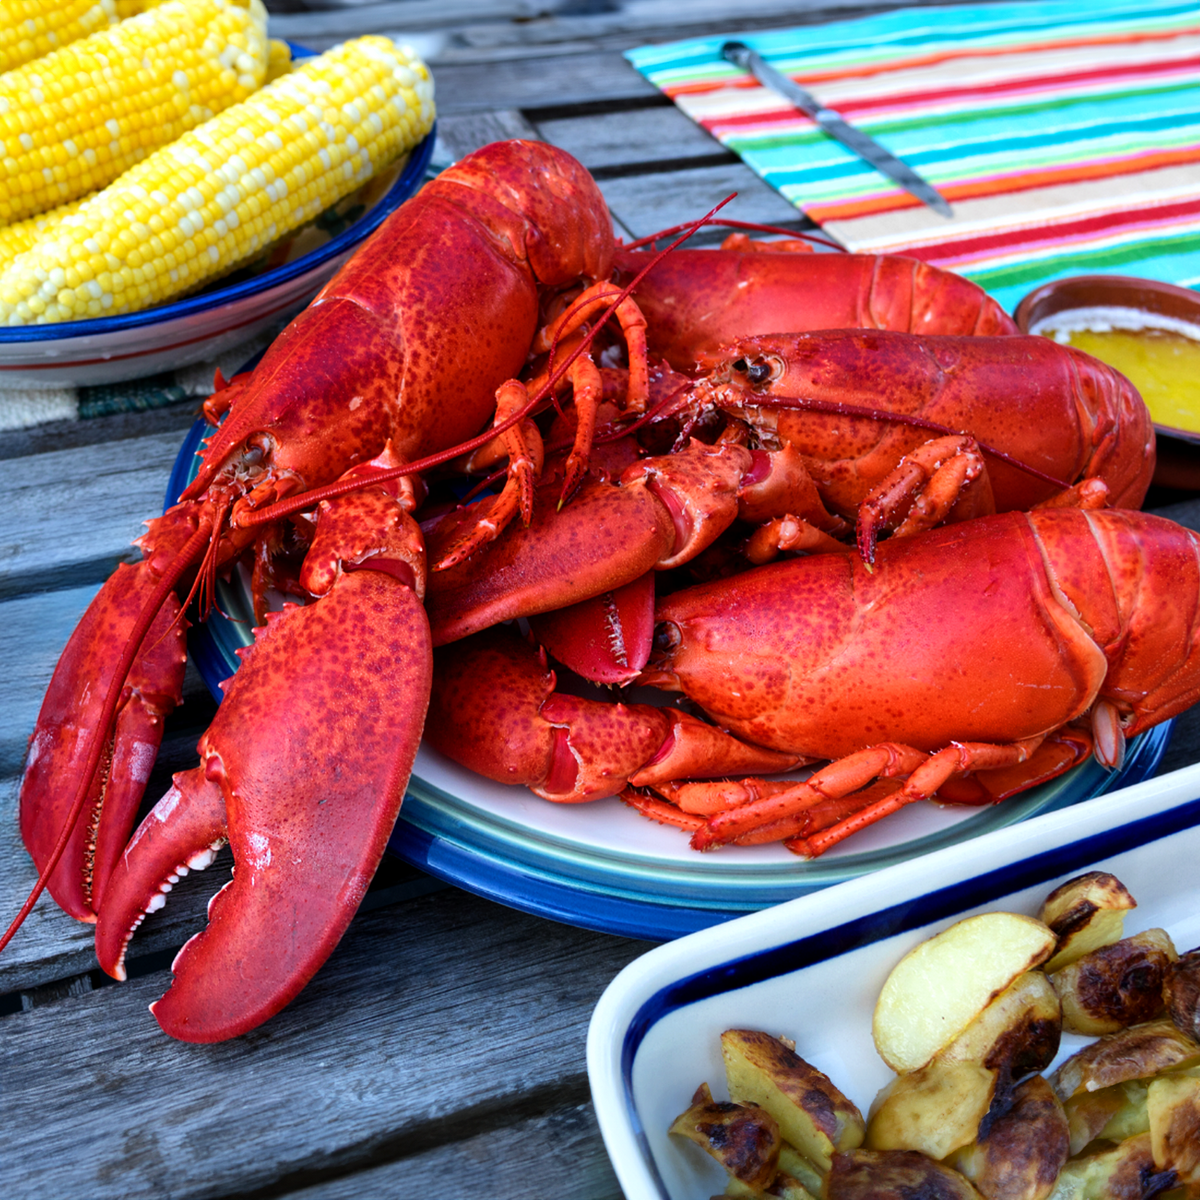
(1066, 135)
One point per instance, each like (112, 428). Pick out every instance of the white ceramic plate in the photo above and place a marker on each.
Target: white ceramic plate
(201, 327)
(812, 968)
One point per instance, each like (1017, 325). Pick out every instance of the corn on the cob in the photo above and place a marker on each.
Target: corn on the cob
(31, 28)
(72, 121)
(279, 59)
(224, 192)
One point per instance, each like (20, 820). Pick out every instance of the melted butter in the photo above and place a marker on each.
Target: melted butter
(1163, 366)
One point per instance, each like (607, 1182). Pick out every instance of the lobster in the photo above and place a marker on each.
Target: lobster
(400, 356)
(968, 663)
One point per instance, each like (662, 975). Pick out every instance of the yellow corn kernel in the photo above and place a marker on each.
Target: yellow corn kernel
(31, 28)
(227, 190)
(18, 237)
(279, 59)
(73, 120)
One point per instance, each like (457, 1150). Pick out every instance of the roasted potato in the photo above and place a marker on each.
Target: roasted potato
(1181, 993)
(1125, 1171)
(743, 1138)
(1134, 1053)
(1088, 1113)
(1173, 1108)
(1118, 985)
(1020, 1152)
(800, 1168)
(1085, 913)
(1017, 1034)
(939, 987)
(1112, 1113)
(934, 1110)
(812, 1114)
(893, 1175)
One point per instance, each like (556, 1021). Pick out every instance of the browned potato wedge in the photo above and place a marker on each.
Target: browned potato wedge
(1016, 1035)
(1085, 913)
(1134, 1053)
(743, 1138)
(812, 1114)
(934, 1110)
(1173, 1107)
(1089, 1112)
(1125, 1171)
(1117, 985)
(800, 1168)
(787, 1187)
(1023, 1149)
(939, 987)
(1181, 993)
(893, 1175)
(1113, 1113)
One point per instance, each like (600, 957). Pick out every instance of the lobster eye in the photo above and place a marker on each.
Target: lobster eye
(667, 637)
(759, 372)
(741, 366)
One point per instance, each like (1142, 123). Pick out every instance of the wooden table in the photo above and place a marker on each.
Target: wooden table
(440, 1052)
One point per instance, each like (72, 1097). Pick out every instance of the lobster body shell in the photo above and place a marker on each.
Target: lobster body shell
(995, 630)
(1048, 406)
(412, 337)
(696, 301)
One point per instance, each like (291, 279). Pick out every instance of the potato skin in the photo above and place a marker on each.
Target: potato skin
(1181, 991)
(1134, 1053)
(1020, 1152)
(1116, 986)
(893, 1175)
(743, 1138)
(1085, 913)
(812, 1113)
(1017, 1034)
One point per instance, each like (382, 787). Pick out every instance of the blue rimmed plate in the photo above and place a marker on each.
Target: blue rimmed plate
(200, 327)
(601, 865)
(811, 969)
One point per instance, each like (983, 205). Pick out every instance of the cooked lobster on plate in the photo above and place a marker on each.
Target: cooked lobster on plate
(777, 461)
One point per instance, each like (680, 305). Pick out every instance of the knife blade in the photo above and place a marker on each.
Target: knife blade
(862, 144)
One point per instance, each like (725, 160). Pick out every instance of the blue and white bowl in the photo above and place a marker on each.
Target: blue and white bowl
(200, 327)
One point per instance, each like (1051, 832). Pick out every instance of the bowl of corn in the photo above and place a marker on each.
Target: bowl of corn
(173, 182)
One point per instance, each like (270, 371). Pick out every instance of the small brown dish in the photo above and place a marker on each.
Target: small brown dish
(1109, 292)
(1158, 325)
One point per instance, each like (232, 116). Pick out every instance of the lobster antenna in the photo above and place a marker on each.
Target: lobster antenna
(306, 500)
(150, 610)
(728, 222)
(873, 414)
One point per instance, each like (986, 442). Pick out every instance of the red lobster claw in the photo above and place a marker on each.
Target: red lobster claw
(307, 804)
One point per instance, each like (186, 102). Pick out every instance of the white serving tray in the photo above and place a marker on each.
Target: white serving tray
(811, 969)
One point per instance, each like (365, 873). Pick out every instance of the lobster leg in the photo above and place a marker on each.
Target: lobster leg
(310, 802)
(495, 709)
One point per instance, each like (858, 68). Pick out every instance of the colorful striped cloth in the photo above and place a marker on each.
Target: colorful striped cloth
(1066, 135)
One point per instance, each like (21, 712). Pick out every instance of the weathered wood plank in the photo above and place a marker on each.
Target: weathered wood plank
(491, 26)
(435, 1022)
(644, 204)
(557, 80)
(559, 1154)
(628, 139)
(67, 517)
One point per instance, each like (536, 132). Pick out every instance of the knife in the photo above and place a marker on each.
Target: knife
(866, 147)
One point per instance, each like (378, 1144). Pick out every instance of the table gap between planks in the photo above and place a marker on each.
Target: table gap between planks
(441, 1049)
